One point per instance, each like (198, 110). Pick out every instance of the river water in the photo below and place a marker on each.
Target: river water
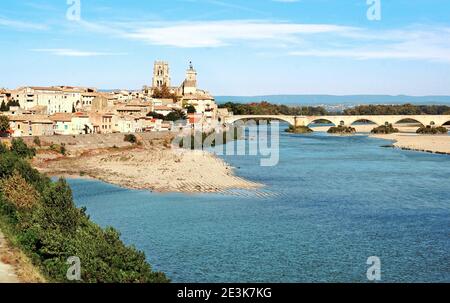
(329, 204)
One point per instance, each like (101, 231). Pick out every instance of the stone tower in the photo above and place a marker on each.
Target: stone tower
(161, 75)
(190, 83)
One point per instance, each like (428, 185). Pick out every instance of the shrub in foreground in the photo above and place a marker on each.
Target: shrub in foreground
(20, 148)
(41, 218)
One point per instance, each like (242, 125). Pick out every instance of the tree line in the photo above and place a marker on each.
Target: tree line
(4, 107)
(403, 109)
(266, 108)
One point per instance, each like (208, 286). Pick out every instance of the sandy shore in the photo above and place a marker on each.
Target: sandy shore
(407, 138)
(426, 143)
(156, 168)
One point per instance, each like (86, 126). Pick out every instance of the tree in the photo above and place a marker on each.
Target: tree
(4, 124)
(58, 210)
(20, 148)
(155, 115)
(3, 107)
(164, 93)
(191, 109)
(157, 93)
(175, 115)
(12, 103)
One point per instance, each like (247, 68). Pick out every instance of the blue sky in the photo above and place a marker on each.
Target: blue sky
(250, 47)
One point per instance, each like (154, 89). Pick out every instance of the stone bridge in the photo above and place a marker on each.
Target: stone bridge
(435, 120)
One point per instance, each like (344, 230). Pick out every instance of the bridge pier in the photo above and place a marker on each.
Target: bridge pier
(435, 120)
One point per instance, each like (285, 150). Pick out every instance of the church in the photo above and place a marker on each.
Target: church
(187, 93)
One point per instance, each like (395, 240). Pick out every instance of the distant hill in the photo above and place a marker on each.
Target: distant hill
(334, 100)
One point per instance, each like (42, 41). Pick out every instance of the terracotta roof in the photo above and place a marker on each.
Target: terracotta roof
(129, 108)
(31, 118)
(61, 117)
(162, 107)
(46, 88)
(38, 107)
(90, 94)
(81, 114)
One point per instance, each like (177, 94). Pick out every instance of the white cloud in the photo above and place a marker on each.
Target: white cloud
(432, 44)
(21, 25)
(67, 52)
(311, 40)
(222, 33)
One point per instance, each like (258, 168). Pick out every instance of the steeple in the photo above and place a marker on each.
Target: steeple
(190, 83)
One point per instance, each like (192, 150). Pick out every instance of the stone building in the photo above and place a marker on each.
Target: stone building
(57, 99)
(187, 93)
(161, 75)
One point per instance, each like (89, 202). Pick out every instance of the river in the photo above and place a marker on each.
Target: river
(329, 204)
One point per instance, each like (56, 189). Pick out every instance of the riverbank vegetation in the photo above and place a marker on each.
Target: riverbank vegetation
(299, 130)
(385, 129)
(39, 217)
(266, 108)
(429, 130)
(402, 109)
(203, 140)
(341, 130)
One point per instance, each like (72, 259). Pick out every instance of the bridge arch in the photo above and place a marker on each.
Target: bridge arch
(373, 121)
(287, 119)
(446, 123)
(400, 119)
(321, 119)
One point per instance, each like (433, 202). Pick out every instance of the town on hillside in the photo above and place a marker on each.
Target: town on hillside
(65, 110)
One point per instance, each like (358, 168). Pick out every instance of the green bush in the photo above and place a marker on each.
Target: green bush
(130, 138)
(59, 148)
(299, 130)
(20, 148)
(384, 129)
(341, 130)
(37, 141)
(429, 130)
(203, 140)
(175, 115)
(62, 149)
(3, 148)
(53, 229)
